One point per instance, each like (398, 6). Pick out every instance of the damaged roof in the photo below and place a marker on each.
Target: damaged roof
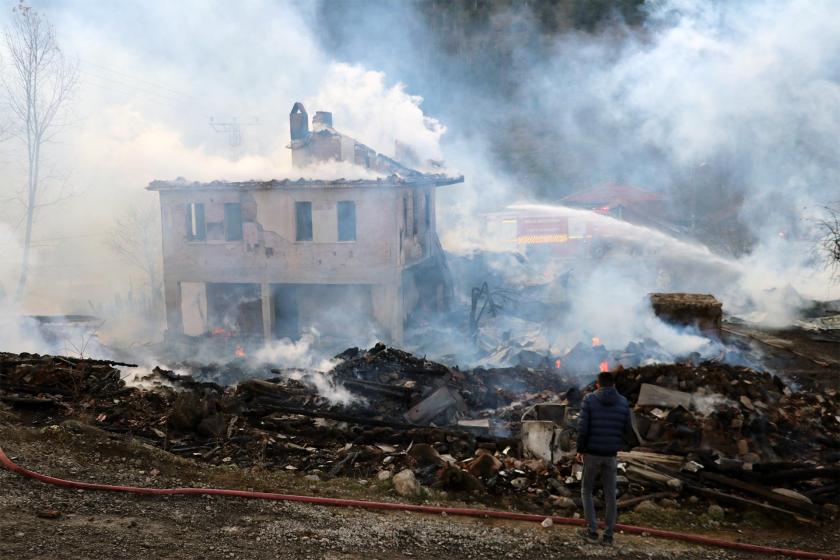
(325, 143)
(612, 194)
(420, 180)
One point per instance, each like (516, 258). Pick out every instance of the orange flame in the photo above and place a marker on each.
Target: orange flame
(240, 351)
(596, 341)
(604, 366)
(558, 364)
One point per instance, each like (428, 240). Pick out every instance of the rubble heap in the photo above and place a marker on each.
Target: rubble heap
(709, 431)
(701, 311)
(29, 375)
(734, 412)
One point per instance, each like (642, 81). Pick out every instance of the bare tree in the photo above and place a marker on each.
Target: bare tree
(80, 338)
(137, 237)
(831, 237)
(37, 88)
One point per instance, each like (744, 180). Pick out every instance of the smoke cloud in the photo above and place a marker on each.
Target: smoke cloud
(726, 107)
(152, 77)
(729, 108)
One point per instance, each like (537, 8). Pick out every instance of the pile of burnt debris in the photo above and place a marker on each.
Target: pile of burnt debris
(705, 432)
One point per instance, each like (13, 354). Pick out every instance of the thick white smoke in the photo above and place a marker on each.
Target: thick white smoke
(304, 355)
(152, 75)
(746, 89)
(739, 98)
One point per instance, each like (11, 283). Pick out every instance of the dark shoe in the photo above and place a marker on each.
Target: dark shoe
(607, 540)
(591, 538)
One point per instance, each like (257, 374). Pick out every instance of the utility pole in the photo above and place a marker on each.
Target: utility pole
(233, 129)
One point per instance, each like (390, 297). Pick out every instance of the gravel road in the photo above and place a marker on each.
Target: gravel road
(106, 525)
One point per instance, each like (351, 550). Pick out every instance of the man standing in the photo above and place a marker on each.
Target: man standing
(604, 419)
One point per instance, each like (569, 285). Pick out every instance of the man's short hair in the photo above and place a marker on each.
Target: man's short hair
(606, 379)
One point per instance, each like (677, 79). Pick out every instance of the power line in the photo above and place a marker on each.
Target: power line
(71, 265)
(136, 79)
(134, 89)
(44, 242)
(63, 238)
(131, 92)
(232, 128)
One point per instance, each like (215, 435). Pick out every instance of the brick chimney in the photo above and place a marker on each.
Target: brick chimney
(298, 122)
(322, 117)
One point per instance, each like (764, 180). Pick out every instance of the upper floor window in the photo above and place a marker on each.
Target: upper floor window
(233, 221)
(196, 226)
(303, 221)
(346, 220)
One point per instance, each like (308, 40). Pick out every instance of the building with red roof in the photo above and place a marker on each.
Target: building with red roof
(623, 202)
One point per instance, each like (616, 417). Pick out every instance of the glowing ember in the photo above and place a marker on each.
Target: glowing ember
(219, 331)
(604, 366)
(596, 341)
(558, 364)
(240, 351)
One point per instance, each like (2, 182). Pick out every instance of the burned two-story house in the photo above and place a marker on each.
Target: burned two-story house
(270, 258)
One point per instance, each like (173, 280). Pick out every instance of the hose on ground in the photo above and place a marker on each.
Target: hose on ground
(469, 512)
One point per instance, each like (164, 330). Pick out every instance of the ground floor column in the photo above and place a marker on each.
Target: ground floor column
(265, 296)
(388, 310)
(172, 301)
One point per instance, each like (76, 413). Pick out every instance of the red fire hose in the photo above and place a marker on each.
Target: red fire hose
(631, 529)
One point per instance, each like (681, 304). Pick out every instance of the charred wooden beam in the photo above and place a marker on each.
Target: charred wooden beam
(748, 503)
(795, 475)
(372, 387)
(765, 493)
(30, 402)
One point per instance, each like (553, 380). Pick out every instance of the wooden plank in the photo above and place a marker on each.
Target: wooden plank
(747, 503)
(673, 461)
(763, 492)
(653, 476)
(30, 402)
(795, 475)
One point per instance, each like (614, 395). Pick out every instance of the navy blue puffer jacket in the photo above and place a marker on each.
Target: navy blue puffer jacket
(604, 419)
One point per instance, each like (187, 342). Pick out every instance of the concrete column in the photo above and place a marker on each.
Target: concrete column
(387, 310)
(393, 291)
(397, 329)
(265, 296)
(396, 293)
(172, 300)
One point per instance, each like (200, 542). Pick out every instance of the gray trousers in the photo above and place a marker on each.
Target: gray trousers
(593, 466)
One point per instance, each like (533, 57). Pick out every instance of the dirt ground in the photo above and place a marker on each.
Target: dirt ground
(797, 354)
(116, 525)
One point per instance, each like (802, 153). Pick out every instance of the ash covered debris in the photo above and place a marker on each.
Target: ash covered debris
(32, 374)
(709, 431)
